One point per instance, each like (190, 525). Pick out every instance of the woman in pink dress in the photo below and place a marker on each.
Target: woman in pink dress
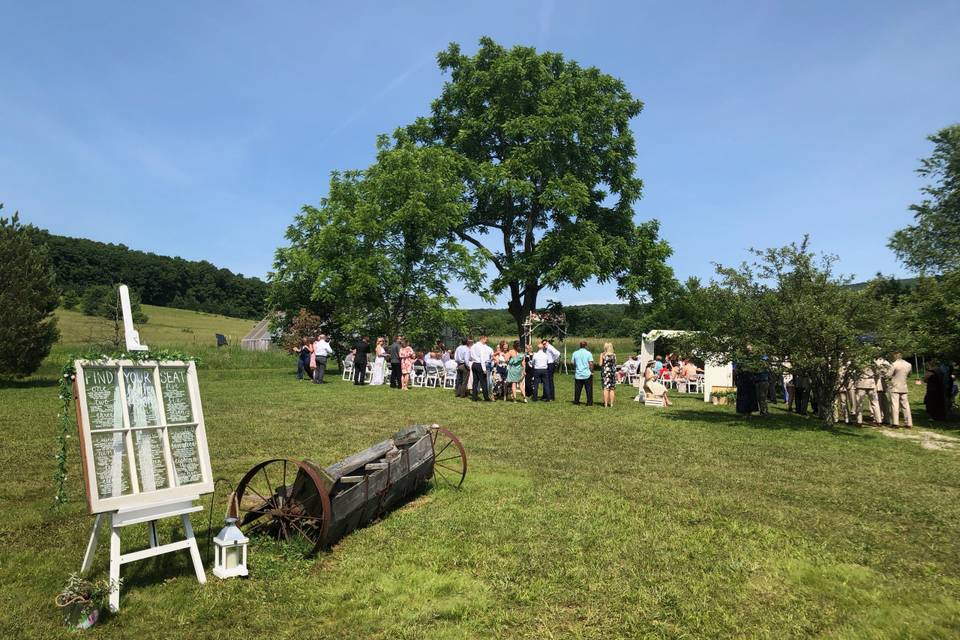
(407, 356)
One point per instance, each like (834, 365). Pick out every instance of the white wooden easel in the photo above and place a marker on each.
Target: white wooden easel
(120, 518)
(150, 515)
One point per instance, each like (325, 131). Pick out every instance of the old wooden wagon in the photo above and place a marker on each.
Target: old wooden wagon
(296, 499)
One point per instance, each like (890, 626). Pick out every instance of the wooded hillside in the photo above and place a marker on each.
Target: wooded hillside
(160, 280)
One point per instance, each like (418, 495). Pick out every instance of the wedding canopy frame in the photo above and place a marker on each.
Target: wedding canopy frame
(553, 319)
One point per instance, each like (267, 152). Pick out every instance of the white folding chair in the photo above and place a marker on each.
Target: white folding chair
(368, 374)
(432, 377)
(418, 377)
(450, 378)
(347, 369)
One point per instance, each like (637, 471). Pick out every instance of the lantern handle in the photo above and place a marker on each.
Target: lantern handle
(233, 506)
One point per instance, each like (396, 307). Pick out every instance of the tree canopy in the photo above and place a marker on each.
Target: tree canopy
(932, 244)
(789, 306)
(377, 255)
(28, 297)
(548, 169)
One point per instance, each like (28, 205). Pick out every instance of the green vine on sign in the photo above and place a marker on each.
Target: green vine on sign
(66, 415)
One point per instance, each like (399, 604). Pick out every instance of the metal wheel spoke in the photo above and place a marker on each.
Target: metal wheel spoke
(266, 501)
(445, 479)
(449, 442)
(302, 532)
(308, 517)
(259, 526)
(267, 478)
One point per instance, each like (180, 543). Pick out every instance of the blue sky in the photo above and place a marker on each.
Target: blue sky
(199, 129)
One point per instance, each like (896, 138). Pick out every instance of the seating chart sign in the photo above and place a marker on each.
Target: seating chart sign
(142, 434)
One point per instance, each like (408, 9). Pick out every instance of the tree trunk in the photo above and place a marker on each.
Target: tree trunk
(825, 399)
(520, 306)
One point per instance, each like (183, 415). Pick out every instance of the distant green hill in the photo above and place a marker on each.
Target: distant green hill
(159, 280)
(906, 284)
(165, 327)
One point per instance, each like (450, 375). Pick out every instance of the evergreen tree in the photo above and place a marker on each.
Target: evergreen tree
(28, 297)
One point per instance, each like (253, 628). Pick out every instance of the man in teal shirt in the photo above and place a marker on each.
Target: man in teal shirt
(582, 373)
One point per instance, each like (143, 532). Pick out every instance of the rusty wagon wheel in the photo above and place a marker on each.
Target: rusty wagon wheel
(449, 457)
(287, 500)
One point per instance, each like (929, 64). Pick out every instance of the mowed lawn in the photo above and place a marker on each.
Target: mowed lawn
(573, 522)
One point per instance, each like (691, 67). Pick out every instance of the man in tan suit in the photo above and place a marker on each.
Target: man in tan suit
(898, 375)
(866, 385)
(882, 367)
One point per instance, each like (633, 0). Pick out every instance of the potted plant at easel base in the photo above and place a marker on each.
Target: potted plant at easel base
(82, 600)
(723, 397)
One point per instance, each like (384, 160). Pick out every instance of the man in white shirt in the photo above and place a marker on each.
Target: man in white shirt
(462, 358)
(322, 351)
(450, 365)
(549, 391)
(480, 355)
(431, 362)
(541, 364)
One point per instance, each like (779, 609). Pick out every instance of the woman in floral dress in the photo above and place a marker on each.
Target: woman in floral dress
(608, 364)
(407, 356)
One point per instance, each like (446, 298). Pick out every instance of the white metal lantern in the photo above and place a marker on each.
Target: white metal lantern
(230, 558)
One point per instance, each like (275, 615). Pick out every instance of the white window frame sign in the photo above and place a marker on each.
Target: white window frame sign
(140, 493)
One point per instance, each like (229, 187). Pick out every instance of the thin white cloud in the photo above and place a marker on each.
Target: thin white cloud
(396, 82)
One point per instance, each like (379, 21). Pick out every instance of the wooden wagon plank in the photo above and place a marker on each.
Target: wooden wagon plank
(358, 460)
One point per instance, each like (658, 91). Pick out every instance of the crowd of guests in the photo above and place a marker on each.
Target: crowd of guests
(882, 387)
(505, 371)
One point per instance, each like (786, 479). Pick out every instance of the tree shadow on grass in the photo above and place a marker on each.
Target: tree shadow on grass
(922, 419)
(778, 419)
(29, 383)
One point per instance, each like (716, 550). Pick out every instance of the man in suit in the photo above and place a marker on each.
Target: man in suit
(866, 386)
(553, 355)
(362, 349)
(801, 393)
(898, 376)
(395, 362)
(881, 366)
(541, 362)
(480, 355)
(462, 357)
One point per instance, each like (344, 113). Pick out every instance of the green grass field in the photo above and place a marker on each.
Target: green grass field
(573, 522)
(165, 327)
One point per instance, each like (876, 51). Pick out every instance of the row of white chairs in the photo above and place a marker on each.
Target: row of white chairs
(423, 377)
(684, 385)
(443, 378)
